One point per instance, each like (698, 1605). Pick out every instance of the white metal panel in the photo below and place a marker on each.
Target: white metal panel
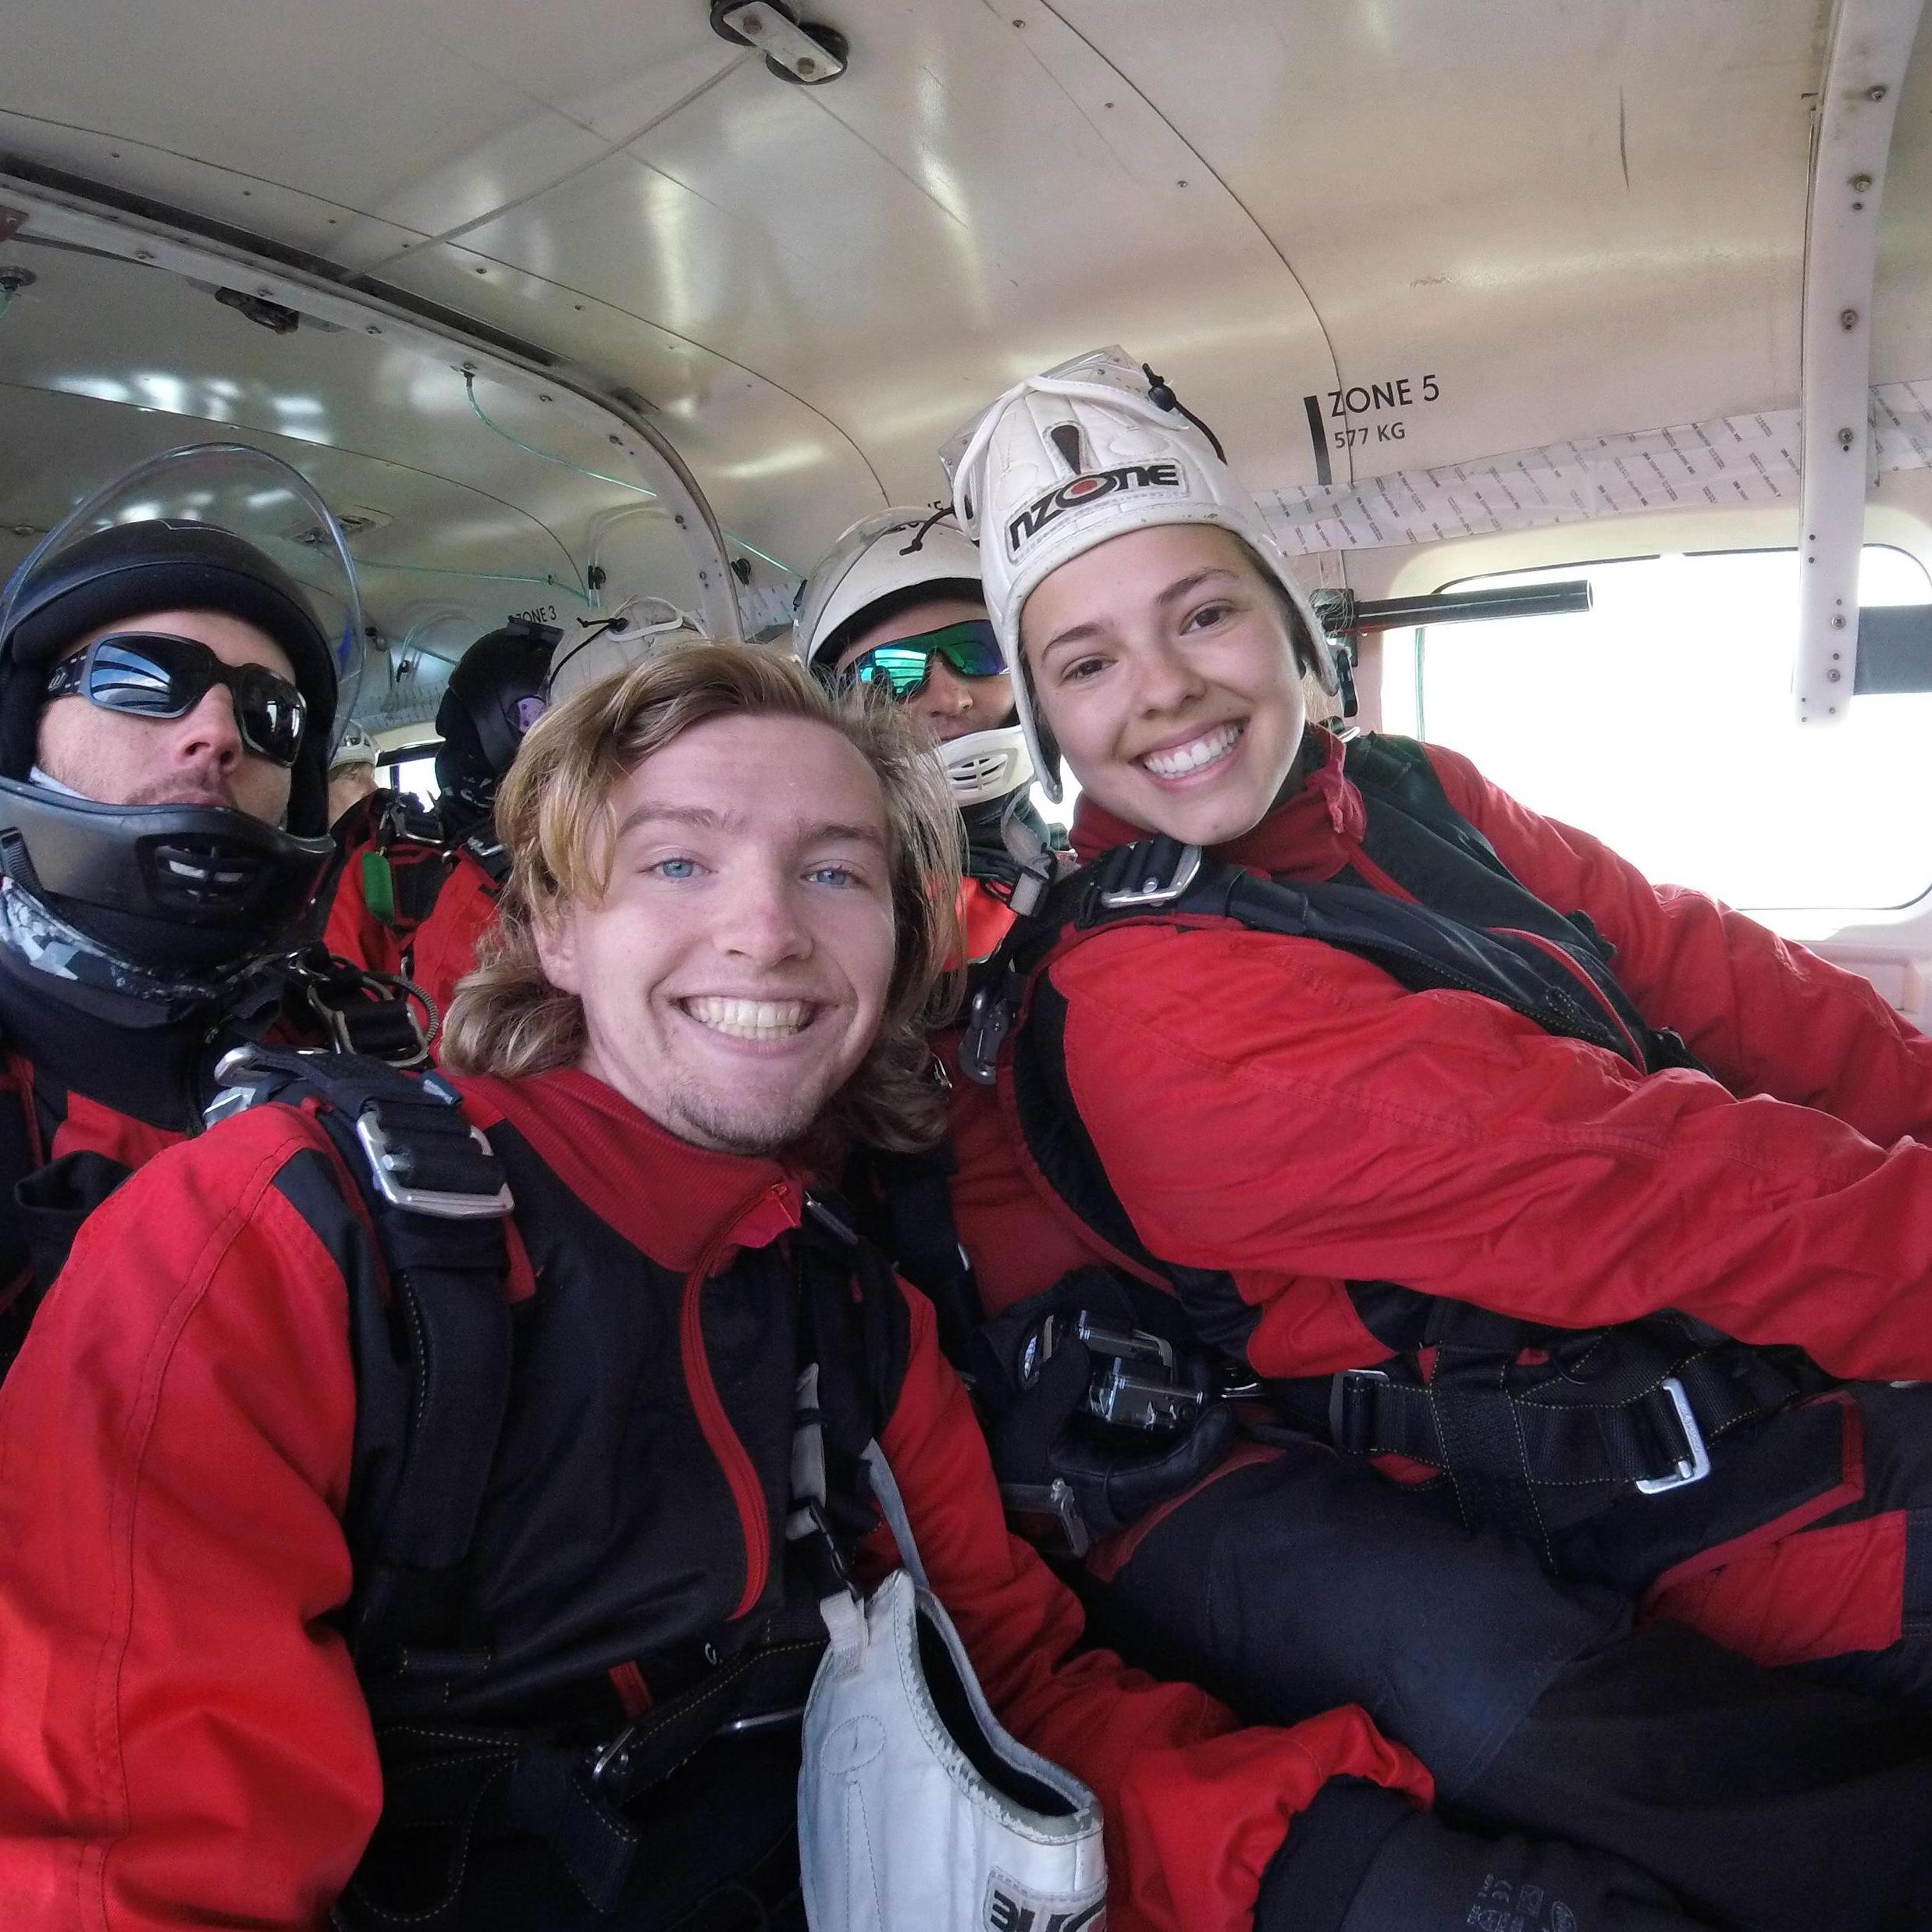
(1871, 40)
(1580, 219)
(895, 246)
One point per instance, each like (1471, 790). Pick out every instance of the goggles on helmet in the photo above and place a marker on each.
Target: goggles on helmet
(148, 675)
(969, 648)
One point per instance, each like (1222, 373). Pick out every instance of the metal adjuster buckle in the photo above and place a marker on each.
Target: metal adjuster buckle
(988, 1022)
(1338, 1405)
(614, 1759)
(1154, 889)
(1691, 1467)
(390, 1165)
(1055, 1503)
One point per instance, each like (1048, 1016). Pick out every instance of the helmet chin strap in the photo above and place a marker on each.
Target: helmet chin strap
(985, 765)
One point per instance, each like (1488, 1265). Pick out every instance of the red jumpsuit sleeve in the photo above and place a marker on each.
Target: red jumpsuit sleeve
(1766, 1015)
(182, 1742)
(1284, 1110)
(445, 943)
(1195, 1808)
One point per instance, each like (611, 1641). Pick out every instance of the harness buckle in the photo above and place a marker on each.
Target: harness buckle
(1695, 1465)
(989, 1020)
(1159, 884)
(1054, 1506)
(1339, 1406)
(389, 1164)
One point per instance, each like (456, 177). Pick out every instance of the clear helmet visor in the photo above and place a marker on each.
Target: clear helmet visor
(252, 495)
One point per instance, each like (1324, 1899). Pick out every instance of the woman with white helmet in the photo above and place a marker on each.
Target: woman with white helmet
(1383, 1079)
(895, 606)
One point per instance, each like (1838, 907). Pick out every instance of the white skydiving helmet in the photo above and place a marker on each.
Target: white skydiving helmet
(635, 630)
(890, 561)
(1087, 452)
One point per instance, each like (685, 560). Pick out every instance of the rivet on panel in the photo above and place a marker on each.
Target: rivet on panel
(543, 398)
(1837, 624)
(1847, 318)
(1875, 94)
(1861, 183)
(617, 440)
(371, 329)
(1846, 439)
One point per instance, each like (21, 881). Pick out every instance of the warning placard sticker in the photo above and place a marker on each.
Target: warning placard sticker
(1728, 461)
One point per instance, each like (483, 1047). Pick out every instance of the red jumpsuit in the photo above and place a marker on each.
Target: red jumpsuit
(183, 1737)
(1284, 1111)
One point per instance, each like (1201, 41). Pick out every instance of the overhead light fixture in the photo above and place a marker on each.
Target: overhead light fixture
(803, 51)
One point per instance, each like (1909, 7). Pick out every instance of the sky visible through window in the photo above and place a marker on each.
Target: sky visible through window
(1662, 722)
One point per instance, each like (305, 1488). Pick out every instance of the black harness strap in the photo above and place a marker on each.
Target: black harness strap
(573, 1784)
(914, 1192)
(371, 1015)
(439, 1200)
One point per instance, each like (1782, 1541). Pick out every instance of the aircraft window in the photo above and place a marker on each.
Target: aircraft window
(1662, 722)
(416, 772)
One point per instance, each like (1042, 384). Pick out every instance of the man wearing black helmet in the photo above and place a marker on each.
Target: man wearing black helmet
(166, 697)
(440, 898)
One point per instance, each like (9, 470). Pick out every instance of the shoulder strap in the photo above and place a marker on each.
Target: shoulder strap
(438, 1199)
(854, 1324)
(916, 1226)
(1419, 949)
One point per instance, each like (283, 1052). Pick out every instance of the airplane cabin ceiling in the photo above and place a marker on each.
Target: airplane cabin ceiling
(1544, 221)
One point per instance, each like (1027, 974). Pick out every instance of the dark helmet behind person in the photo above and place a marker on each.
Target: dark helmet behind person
(494, 695)
(196, 892)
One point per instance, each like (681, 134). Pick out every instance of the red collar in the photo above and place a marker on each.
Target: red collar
(677, 1203)
(1311, 835)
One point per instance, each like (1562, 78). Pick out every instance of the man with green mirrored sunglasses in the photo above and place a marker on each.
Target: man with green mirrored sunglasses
(968, 649)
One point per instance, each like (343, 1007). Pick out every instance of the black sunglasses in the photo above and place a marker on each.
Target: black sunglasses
(969, 648)
(147, 674)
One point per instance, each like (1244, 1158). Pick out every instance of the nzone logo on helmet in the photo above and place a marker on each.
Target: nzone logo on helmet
(1056, 502)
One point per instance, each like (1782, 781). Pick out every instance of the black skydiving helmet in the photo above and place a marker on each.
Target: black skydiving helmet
(495, 694)
(195, 892)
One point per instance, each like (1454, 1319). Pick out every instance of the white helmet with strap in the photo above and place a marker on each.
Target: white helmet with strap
(893, 557)
(1087, 452)
(636, 629)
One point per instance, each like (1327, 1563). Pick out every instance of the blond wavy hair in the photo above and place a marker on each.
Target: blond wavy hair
(556, 818)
